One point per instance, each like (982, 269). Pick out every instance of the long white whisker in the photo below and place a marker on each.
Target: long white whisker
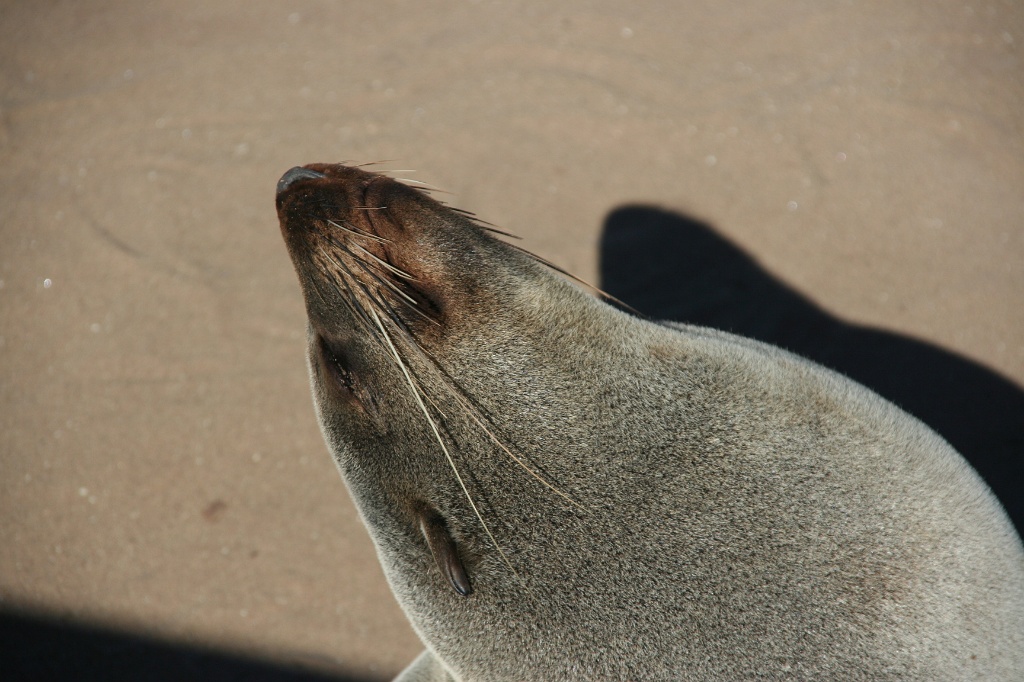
(383, 263)
(440, 440)
(471, 411)
(358, 233)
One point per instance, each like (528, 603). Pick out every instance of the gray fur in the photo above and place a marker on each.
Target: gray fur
(736, 511)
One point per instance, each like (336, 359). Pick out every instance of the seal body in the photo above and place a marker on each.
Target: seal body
(560, 490)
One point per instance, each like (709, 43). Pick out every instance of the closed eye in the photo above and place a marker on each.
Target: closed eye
(335, 365)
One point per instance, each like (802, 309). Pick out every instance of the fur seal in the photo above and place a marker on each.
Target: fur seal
(559, 490)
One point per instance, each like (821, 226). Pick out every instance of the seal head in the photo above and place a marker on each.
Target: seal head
(559, 490)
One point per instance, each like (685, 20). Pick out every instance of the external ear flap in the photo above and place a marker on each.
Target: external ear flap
(446, 554)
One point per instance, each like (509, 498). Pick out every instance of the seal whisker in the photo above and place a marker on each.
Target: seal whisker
(351, 301)
(380, 303)
(472, 412)
(371, 163)
(316, 290)
(360, 233)
(418, 182)
(422, 186)
(565, 273)
(484, 225)
(383, 263)
(467, 403)
(366, 268)
(437, 408)
(410, 302)
(480, 222)
(383, 306)
(477, 415)
(390, 285)
(444, 448)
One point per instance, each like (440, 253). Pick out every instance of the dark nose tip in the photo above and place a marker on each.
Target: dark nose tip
(296, 174)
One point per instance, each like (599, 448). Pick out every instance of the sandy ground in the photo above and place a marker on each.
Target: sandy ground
(844, 178)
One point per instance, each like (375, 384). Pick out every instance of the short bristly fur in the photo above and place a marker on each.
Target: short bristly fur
(559, 490)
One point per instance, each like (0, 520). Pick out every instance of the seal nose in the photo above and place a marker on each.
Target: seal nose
(296, 174)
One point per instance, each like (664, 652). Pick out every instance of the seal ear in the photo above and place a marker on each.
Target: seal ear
(446, 554)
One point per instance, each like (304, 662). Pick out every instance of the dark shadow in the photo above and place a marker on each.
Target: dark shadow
(671, 267)
(37, 648)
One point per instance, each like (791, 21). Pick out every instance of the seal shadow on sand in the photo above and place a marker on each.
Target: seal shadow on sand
(39, 646)
(671, 267)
